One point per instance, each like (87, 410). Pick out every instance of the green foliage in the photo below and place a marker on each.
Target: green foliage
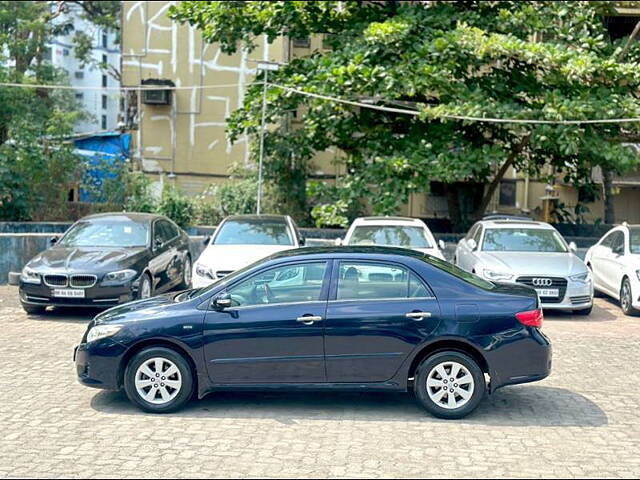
(138, 196)
(177, 206)
(462, 58)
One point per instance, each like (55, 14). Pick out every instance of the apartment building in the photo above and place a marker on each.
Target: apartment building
(180, 136)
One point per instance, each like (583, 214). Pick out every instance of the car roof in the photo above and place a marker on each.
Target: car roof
(133, 216)
(386, 220)
(355, 250)
(258, 218)
(516, 224)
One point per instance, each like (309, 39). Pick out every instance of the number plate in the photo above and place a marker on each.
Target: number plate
(548, 292)
(67, 293)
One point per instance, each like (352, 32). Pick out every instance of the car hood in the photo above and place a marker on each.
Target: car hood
(147, 308)
(93, 259)
(234, 257)
(533, 263)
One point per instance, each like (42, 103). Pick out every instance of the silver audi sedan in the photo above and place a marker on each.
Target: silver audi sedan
(530, 253)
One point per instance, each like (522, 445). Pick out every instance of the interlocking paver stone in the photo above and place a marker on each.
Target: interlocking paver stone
(582, 421)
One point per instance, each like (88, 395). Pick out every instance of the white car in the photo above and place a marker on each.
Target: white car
(393, 232)
(241, 240)
(615, 263)
(530, 253)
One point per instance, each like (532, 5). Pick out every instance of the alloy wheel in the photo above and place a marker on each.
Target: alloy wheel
(625, 296)
(145, 288)
(450, 385)
(158, 380)
(186, 278)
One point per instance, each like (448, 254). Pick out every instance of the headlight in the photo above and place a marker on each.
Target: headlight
(497, 276)
(119, 277)
(102, 331)
(30, 276)
(581, 277)
(203, 271)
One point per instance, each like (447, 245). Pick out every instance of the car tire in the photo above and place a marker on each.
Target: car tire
(432, 397)
(584, 311)
(158, 397)
(626, 298)
(145, 278)
(33, 309)
(186, 274)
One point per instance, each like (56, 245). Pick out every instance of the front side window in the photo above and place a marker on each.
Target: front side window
(248, 232)
(377, 281)
(163, 231)
(617, 241)
(634, 240)
(106, 234)
(522, 240)
(286, 284)
(397, 236)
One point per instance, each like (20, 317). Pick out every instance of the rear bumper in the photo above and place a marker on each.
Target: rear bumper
(526, 360)
(97, 296)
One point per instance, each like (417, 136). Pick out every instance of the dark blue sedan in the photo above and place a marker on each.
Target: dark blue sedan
(324, 318)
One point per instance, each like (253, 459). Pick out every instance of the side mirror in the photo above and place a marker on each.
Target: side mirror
(472, 244)
(157, 242)
(53, 241)
(302, 241)
(206, 240)
(573, 247)
(338, 242)
(222, 301)
(441, 244)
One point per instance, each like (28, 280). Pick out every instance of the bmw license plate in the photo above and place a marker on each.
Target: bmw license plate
(67, 293)
(548, 292)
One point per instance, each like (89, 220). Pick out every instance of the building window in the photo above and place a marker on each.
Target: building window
(304, 42)
(507, 194)
(79, 74)
(104, 122)
(65, 52)
(104, 59)
(104, 80)
(104, 40)
(104, 102)
(79, 96)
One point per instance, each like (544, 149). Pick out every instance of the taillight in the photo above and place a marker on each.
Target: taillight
(532, 318)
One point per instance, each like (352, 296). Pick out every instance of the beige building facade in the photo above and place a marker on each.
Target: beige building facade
(183, 140)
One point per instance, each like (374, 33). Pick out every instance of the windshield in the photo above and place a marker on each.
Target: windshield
(634, 240)
(398, 236)
(522, 240)
(253, 232)
(106, 234)
(458, 272)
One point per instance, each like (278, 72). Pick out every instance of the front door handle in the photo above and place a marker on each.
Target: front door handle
(418, 315)
(309, 319)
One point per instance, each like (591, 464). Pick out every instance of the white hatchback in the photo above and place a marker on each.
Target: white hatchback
(615, 263)
(393, 232)
(241, 240)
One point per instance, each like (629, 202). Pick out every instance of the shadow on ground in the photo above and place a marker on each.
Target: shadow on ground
(510, 407)
(601, 313)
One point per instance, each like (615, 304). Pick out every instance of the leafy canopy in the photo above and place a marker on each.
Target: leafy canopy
(505, 59)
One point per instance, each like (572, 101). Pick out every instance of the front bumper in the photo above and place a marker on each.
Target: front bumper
(200, 282)
(96, 296)
(98, 363)
(575, 296)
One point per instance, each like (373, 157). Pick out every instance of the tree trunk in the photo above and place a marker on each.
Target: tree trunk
(609, 210)
(500, 174)
(453, 204)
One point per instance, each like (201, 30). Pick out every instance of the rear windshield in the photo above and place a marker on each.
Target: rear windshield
(253, 232)
(459, 273)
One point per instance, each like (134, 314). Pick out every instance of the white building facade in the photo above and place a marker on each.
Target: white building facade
(103, 107)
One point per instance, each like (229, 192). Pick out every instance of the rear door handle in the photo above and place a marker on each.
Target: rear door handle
(309, 319)
(418, 315)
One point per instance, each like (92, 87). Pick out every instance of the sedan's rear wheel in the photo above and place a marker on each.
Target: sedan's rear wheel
(626, 298)
(158, 380)
(145, 287)
(449, 384)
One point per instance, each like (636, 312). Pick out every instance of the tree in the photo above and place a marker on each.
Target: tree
(445, 60)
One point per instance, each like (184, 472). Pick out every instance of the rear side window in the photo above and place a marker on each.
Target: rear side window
(375, 281)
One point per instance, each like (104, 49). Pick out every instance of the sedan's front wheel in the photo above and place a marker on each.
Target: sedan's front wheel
(158, 380)
(449, 384)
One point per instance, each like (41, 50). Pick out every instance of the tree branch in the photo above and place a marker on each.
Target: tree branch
(630, 40)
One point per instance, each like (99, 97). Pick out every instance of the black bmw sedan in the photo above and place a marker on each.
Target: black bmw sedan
(108, 259)
(355, 318)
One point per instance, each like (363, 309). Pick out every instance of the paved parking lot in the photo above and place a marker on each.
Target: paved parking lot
(583, 421)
